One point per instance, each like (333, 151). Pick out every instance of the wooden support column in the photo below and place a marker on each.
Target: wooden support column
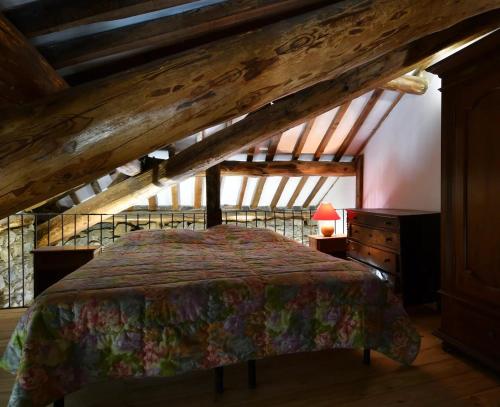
(156, 104)
(214, 212)
(359, 180)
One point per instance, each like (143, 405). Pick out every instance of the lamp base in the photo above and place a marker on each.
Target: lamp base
(327, 230)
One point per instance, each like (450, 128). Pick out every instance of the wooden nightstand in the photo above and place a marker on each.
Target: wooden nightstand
(52, 263)
(335, 245)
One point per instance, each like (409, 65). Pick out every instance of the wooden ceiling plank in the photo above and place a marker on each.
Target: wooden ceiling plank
(286, 112)
(25, 74)
(46, 16)
(192, 28)
(375, 96)
(296, 192)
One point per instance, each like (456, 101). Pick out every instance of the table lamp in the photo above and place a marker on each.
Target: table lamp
(326, 215)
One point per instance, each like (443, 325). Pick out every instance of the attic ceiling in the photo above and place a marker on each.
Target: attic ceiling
(85, 40)
(238, 192)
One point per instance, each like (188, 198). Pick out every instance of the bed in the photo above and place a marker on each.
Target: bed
(162, 303)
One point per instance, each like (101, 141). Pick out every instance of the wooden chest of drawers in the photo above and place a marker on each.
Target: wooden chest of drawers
(402, 245)
(52, 263)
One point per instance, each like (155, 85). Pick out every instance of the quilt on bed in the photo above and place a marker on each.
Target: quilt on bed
(161, 303)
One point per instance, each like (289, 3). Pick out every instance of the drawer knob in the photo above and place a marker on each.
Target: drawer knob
(387, 260)
(369, 254)
(388, 239)
(388, 222)
(370, 235)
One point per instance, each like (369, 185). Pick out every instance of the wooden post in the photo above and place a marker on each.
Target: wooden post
(359, 181)
(214, 213)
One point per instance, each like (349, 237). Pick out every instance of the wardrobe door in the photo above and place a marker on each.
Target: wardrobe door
(476, 195)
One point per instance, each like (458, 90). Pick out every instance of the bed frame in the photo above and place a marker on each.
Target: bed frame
(252, 376)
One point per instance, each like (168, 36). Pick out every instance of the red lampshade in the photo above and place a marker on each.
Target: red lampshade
(326, 211)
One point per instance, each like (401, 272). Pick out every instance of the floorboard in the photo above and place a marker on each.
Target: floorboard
(330, 378)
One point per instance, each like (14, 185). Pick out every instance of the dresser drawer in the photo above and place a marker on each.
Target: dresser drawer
(377, 221)
(375, 237)
(379, 258)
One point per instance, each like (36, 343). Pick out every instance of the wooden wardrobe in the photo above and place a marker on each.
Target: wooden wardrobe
(470, 244)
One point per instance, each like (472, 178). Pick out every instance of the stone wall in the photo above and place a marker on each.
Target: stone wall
(15, 246)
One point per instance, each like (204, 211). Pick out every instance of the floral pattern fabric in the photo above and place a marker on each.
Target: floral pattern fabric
(161, 303)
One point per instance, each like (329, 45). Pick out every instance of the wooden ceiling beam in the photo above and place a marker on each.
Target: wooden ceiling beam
(81, 131)
(46, 16)
(25, 74)
(375, 96)
(341, 111)
(178, 31)
(339, 115)
(273, 147)
(301, 140)
(414, 85)
(279, 192)
(288, 168)
(394, 103)
(296, 192)
(257, 193)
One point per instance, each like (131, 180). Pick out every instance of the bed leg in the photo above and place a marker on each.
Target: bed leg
(366, 356)
(252, 374)
(59, 403)
(219, 379)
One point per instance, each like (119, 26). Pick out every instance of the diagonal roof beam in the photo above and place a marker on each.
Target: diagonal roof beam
(185, 93)
(46, 16)
(25, 74)
(177, 31)
(339, 115)
(283, 115)
(375, 96)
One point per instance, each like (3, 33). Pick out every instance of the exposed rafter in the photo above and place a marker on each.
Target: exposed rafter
(339, 115)
(46, 16)
(177, 31)
(396, 100)
(296, 192)
(375, 96)
(70, 124)
(25, 74)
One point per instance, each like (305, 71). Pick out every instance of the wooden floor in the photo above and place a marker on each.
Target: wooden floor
(332, 378)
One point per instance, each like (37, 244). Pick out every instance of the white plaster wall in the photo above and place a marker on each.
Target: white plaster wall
(402, 167)
(343, 193)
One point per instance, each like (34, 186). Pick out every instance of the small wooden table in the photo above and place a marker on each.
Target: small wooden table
(52, 263)
(335, 245)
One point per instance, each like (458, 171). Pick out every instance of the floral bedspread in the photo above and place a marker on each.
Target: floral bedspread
(161, 303)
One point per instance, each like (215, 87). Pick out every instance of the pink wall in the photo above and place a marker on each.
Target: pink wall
(403, 159)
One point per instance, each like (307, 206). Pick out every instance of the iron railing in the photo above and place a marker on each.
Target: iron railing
(20, 234)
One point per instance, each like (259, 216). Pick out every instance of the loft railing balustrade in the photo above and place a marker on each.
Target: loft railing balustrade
(20, 234)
